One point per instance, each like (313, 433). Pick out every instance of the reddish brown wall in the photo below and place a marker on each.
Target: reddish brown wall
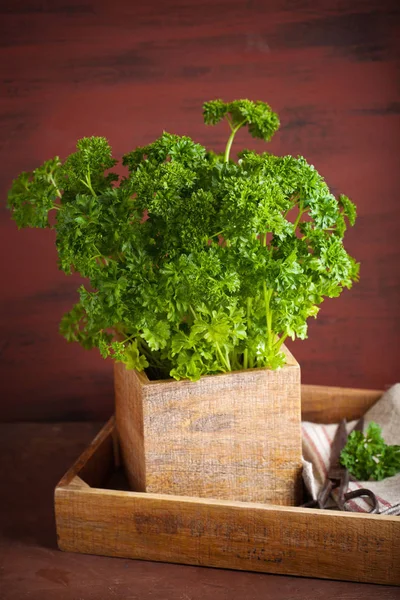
(127, 70)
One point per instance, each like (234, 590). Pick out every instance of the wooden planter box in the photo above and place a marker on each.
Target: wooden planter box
(235, 535)
(234, 436)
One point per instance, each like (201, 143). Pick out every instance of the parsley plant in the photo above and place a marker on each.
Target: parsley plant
(196, 264)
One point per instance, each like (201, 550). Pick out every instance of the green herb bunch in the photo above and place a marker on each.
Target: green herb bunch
(369, 457)
(196, 264)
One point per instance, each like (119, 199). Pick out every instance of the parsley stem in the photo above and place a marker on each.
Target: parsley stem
(280, 341)
(226, 362)
(248, 360)
(230, 140)
(229, 121)
(236, 365)
(58, 193)
(268, 315)
(229, 145)
(88, 184)
(245, 358)
(127, 339)
(248, 305)
(301, 213)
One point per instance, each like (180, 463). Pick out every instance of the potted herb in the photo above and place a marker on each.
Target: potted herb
(198, 267)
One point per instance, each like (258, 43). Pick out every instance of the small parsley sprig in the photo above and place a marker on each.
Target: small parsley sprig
(195, 263)
(368, 457)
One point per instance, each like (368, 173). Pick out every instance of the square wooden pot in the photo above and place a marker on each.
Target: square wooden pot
(233, 436)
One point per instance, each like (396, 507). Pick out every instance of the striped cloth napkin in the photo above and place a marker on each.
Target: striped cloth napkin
(317, 440)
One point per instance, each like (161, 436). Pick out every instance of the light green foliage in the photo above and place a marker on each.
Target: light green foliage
(83, 171)
(369, 457)
(196, 264)
(262, 122)
(33, 195)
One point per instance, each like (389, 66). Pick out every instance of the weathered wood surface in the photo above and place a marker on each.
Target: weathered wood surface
(130, 429)
(127, 70)
(324, 404)
(244, 536)
(230, 535)
(235, 436)
(33, 458)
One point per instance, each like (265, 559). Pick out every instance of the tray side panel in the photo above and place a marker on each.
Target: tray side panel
(322, 404)
(96, 464)
(241, 536)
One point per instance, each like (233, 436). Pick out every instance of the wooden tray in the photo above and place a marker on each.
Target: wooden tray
(94, 519)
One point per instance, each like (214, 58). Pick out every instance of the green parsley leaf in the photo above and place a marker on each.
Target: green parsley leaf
(368, 457)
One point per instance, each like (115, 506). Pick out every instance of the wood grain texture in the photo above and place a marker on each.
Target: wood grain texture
(33, 457)
(324, 404)
(94, 472)
(130, 428)
(235, 436)
(128, 70)
(235, 535)
(241, 536)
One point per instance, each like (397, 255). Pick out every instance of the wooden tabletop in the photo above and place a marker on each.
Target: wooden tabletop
(33, 458)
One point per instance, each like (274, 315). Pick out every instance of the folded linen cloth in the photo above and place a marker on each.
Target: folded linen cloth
(317, 440)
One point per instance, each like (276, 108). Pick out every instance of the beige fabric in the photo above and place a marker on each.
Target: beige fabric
(317, 441)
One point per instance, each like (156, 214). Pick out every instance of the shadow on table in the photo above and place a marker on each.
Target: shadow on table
(34, 457)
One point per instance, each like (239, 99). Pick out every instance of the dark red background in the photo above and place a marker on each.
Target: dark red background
(128, 70)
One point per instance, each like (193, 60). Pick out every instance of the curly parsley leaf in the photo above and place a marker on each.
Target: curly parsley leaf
(83, 171)
(261, 121)
(368, 457)
(33, 195)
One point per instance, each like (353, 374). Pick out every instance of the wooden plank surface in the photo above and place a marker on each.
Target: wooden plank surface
(33, 458)
(234, 535)
(128, 70)
(219, 533)
(325, 404)
(235, 436)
